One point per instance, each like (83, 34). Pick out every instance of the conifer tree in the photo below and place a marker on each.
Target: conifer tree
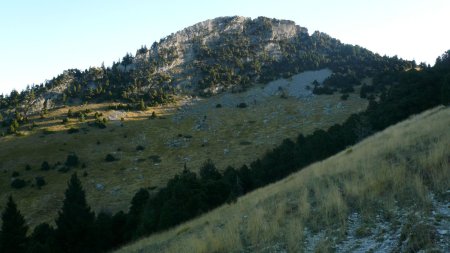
(13, 236)
(75, 222)
(137, 206)
(42, 239)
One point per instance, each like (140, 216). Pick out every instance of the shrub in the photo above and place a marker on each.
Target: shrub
(65, 120)
(73, 130)
(110, 158)
(140, 148)
(155, 158)
(27, 167)
(47, 131)
(219, 106)
(18, 183)
(344, 96)
(72, 160)
(15, 174)
(242, 105)
(325, 90)
(245, 143)
(45, 166)
(98, 123)
(40, 181)
(63, 169)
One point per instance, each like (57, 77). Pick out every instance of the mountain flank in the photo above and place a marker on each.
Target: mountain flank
(208, 115)
(370, 197)
(222, 54)
(189, 131)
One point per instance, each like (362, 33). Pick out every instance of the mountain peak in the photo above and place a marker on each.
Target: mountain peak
(213, 56)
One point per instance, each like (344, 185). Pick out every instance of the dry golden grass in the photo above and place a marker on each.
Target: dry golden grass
(395, 168)
(229, 128)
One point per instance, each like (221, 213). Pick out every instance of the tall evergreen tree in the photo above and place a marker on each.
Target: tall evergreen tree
(13, 236)
(137, 206)
(42, 240)
(75, 222)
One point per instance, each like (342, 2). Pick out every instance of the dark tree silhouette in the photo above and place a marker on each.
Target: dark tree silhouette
(42, 240)
(13, 236)
(137, 205)
(75, 221)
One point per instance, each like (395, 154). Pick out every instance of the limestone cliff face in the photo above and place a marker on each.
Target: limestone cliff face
(178, 54)
(181, 56)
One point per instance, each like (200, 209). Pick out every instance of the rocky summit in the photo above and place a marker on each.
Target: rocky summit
(210, 57)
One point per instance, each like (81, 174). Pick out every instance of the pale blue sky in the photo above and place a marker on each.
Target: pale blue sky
(41, 38)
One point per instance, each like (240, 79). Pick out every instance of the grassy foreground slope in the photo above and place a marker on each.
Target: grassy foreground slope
(391, 192)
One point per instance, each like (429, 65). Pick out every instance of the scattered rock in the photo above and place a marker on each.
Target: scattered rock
(442, 231)
(115, 190)
(99, 187)
(178, 142)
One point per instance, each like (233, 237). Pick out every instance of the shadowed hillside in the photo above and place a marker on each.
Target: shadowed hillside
(372, 196)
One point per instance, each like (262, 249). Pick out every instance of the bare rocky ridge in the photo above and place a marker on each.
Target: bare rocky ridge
(208, 58)
(177, 54)
(210, 33)
(181, 47)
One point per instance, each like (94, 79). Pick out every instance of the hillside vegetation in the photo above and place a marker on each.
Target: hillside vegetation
(389, 192)
(188, 131)
(140, 127)
(222, 54)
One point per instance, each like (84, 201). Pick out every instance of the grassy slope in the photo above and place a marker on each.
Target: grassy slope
(364, 197)
(260, 126)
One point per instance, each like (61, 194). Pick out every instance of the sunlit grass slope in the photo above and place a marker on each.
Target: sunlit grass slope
(384, 189)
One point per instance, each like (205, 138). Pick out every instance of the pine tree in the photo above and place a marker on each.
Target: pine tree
(42, 239)
(137, 206)
(75, 222)
(13, 236)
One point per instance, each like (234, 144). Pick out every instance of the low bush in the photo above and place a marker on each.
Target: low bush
(18, 183)
(45, 166)
(63, 168)
(242, 105)
(110, 158)
(98, 123)
(73, 130)
(40, 181)
(72, 160)
(155, 158)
